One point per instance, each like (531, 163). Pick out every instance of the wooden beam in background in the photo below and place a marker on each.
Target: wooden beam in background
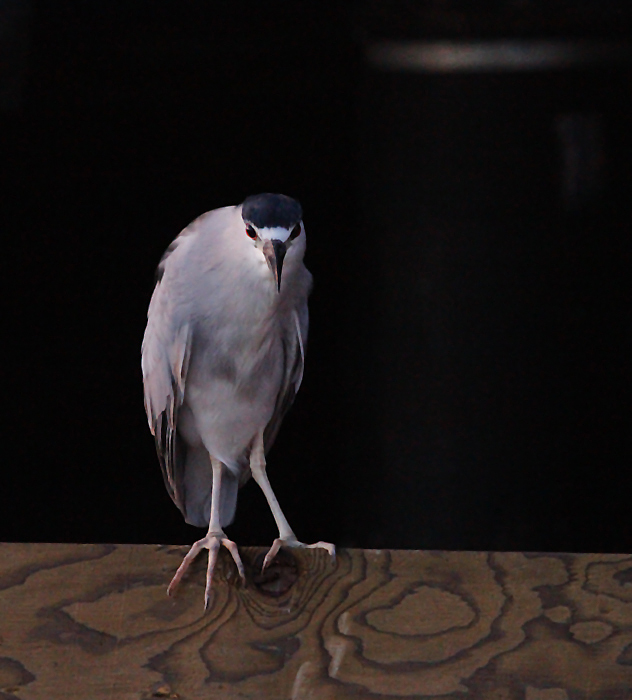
(93, 621)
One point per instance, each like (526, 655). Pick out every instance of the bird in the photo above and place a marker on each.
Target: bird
(222, 359)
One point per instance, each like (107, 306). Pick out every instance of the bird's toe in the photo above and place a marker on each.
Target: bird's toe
(234, 552)
(330, 548)
(294, 543)
(272, 552)
(213, 542)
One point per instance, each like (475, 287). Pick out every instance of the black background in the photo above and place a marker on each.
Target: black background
(468, 375)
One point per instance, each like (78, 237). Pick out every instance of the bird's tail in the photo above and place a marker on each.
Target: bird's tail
(228, 502)
(198, 489)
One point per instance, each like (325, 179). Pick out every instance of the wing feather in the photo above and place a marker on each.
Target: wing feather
(166, 352)
(293, 346)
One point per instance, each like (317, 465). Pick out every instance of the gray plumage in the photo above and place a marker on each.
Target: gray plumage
(222, 356)
(222, 360)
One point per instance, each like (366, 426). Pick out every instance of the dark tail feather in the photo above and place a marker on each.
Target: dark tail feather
(198, 488)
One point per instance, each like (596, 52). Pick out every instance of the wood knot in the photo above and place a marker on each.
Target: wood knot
(279, 577)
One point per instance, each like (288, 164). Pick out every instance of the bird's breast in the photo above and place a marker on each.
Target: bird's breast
(243, 354)
(238, 333)
(232, 387)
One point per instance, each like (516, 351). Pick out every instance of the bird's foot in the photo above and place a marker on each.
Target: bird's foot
(293, 542)
(213, 541)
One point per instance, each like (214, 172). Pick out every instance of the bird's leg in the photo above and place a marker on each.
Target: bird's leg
(214, 539)
(286, 537)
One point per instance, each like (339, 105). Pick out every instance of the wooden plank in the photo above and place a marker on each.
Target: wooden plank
(93, 621)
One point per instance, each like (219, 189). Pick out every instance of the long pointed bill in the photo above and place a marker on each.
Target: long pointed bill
(274, 252)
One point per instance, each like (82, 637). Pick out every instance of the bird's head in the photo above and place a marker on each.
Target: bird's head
(273, 222)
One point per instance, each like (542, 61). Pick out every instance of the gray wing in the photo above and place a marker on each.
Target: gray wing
(165, 359)
(293, 344)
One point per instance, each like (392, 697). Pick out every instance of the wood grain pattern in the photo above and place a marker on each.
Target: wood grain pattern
(93, 621)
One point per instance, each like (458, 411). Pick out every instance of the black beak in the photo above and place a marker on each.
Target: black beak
(274, 252)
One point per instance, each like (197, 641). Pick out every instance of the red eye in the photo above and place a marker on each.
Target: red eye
(295, 232)
(250, 232)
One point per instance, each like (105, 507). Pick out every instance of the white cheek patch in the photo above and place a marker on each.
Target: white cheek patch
(278, 233)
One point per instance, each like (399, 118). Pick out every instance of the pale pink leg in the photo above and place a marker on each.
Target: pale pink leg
(286, 537)
(214, 539)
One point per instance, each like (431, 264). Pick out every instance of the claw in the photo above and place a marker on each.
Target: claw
(272, 552)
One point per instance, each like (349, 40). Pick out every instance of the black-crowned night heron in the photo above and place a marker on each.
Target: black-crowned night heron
(222, 360)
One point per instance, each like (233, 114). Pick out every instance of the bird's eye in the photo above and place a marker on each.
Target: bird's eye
(250, 232)
(295, 232)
